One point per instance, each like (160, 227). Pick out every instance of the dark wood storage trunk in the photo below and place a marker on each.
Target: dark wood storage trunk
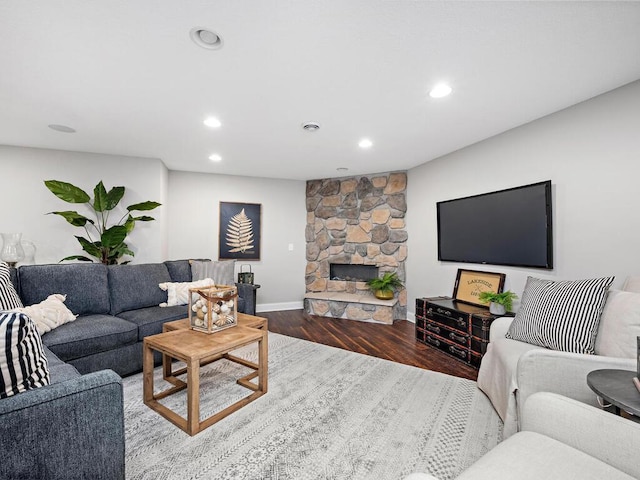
(456, 328)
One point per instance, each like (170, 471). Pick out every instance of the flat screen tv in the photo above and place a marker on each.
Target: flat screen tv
(507, 227)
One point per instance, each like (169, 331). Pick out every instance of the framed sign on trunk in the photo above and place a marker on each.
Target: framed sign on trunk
(469, 284)
(239, 234)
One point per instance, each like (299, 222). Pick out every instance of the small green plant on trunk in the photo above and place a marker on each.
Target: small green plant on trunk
(103, 242)
(505, 298)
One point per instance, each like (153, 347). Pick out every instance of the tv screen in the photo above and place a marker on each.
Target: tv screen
(508, 227)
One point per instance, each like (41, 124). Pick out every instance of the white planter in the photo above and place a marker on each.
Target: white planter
(497, 309)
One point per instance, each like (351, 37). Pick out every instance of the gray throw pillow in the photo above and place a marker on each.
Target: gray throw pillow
(561, 315)
(221, 271)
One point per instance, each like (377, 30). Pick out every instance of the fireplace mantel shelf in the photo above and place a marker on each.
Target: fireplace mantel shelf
(351, 298)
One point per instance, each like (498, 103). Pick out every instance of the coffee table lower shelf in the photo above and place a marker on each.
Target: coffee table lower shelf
(197, 349)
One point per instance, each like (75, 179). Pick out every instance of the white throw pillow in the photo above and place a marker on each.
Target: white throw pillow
(560, 315)
(619, 325)
(49, 313)
(178, 292)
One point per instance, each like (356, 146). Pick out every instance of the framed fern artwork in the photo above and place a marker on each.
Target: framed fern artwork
(240, 225)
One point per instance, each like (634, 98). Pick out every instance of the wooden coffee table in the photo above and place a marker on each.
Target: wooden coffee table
(197, 349)
(244, 320)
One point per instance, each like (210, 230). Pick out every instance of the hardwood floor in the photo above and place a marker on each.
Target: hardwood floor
(392, 342)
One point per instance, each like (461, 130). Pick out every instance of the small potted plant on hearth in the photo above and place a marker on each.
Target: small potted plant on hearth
(499, 303)
(385, 286)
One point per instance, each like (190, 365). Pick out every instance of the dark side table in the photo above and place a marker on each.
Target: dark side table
(616, 387)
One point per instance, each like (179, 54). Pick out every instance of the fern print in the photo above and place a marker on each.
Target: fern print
(240, 233)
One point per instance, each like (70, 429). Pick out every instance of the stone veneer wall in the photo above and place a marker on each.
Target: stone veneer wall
(355, 220)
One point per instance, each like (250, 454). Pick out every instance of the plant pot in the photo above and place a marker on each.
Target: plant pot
(497, 309)
(384, 294)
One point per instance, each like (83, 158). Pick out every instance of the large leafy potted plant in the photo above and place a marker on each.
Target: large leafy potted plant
(499, 303)
(385, 286)
(103, 242)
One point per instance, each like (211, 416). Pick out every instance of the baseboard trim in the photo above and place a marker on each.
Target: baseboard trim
(276, 307)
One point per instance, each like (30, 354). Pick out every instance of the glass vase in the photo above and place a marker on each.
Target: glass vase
(12, 251)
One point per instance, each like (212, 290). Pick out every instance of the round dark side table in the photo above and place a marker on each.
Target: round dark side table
(616, 387)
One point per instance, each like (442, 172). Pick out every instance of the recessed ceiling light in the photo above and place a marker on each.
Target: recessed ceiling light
(365, 143)
(212, 122)
(214, 157)
(440, 90)
(311, 126)
(205, 38)
(61, 128)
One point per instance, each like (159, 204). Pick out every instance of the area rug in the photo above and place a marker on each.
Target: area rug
(328, 414)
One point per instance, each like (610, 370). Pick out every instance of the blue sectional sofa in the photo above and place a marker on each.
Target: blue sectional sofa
(74, 427)
(117, 306)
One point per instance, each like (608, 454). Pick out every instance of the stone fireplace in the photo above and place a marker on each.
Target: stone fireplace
(355, 231)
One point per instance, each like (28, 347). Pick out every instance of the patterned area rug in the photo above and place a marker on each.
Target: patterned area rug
(328, 414)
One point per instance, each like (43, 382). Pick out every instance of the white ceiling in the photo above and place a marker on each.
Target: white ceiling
(127, 77)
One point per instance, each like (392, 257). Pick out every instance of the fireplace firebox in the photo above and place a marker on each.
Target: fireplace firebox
(353, 273)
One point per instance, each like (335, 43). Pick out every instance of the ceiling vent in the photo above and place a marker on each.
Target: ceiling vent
(311, 126)
(205, 38)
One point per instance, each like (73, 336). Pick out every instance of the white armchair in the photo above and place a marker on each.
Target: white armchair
(561, 439)
(511, 371)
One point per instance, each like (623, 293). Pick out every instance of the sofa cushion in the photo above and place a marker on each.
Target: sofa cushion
(88, 335)
(85, 285)
(530, 455)
(561, 315)
(23, 364)
(59, 370)
(180, 270)
(149, 320)
(9, 298)
(619, 325)
(136, 286)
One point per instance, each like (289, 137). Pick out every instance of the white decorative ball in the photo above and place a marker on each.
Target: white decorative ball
(204, 308)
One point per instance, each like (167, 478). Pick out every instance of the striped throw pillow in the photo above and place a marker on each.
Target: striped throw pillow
(561, 315)
(23, 364)
(9, 298)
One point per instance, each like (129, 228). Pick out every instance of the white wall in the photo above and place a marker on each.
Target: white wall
(25, 199)
(193, 217)
(590, 152)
